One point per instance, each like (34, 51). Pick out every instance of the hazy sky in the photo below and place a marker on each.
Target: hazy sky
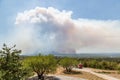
(61, 25)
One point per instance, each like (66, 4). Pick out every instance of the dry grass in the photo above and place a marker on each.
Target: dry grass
(84, 75)
(115, 75)
(112, 73)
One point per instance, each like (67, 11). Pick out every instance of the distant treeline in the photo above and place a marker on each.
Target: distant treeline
(99, 63)
(90, 55)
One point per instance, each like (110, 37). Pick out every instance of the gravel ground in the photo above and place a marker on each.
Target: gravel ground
(58, 77)
(61, 77)
(104, 76)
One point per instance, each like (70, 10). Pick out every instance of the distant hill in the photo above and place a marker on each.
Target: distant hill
(83, 55)
(89, 55)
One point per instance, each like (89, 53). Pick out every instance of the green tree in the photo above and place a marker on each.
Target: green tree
(42, 64)
(10, 64)
(68, 63)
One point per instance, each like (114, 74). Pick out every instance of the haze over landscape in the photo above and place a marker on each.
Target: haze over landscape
(64, 26)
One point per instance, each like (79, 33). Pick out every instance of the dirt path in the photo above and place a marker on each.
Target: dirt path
(62, 77)
(57, 77)
(106, 77)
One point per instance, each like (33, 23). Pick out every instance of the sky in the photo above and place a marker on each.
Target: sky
(82, 26)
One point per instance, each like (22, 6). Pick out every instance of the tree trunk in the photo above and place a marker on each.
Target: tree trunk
(40, 76)
(68, 69)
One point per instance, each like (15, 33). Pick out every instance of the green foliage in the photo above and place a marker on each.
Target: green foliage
(68, 63)
(100, 63)
(42, 64)
(10, 64)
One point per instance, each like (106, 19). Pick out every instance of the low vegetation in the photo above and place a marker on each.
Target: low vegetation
(41, 65)
(16, 67)
(10, 64)
(68, 63)
(101, 63)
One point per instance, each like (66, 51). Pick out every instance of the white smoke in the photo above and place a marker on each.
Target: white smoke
(48, 29)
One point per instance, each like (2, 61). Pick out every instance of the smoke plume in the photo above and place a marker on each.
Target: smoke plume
(49, 29)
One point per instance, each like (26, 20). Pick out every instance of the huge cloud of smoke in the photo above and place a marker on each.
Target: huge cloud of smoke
(49, 29)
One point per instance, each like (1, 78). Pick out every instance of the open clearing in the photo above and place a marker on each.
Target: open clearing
(83, 74)
(112, 73)
(94, 72)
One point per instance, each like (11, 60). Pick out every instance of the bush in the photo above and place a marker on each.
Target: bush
(42, 64)
(68, 63)
(10, 64)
